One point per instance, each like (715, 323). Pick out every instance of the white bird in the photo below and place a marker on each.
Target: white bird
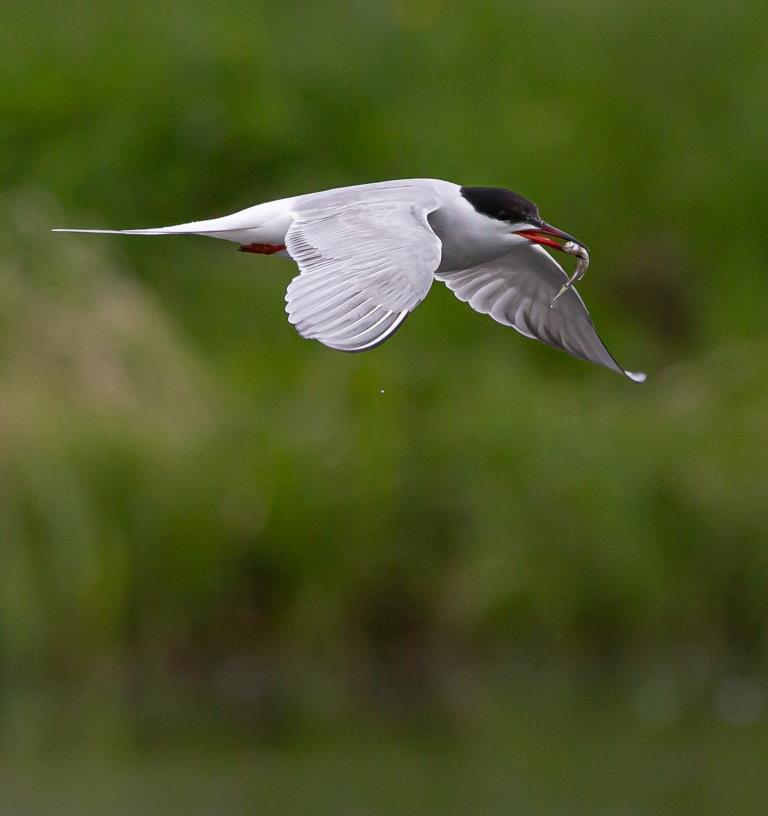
(367, 256)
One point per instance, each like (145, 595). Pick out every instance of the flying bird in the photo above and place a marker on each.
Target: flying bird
(367, 256)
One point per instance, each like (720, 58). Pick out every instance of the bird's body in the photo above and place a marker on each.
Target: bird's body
(368, 254)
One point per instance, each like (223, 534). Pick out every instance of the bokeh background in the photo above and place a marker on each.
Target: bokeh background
(241, 573)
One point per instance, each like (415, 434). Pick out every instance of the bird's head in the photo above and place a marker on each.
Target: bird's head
(518, 213)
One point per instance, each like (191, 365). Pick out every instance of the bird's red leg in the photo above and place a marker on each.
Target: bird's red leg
(261, 249)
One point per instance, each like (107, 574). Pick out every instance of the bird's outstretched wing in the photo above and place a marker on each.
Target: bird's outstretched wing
(367, 257)
(517, 290)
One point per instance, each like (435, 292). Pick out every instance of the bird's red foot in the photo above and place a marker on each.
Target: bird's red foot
(261, 249)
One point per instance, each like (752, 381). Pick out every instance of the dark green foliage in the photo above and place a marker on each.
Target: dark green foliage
(197, 502)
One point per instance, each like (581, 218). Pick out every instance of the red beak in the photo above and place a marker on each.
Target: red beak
(550, 236)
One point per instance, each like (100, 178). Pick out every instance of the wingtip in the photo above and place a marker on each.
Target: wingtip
(636, 376)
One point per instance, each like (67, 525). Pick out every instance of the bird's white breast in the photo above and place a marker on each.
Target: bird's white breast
(468, 237)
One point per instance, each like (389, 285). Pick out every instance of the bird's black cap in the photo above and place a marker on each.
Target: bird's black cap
(501, 204)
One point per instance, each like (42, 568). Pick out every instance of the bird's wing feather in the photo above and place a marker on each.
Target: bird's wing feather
(517, 290)
(366, 256)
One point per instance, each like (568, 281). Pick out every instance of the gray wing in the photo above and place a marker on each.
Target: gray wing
(517, 290)
(367, 258)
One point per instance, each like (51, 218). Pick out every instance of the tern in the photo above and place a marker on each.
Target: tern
(367, 256)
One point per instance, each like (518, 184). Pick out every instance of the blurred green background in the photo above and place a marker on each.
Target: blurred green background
(464, 573)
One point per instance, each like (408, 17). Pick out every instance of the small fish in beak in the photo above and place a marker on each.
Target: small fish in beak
(582, 263)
